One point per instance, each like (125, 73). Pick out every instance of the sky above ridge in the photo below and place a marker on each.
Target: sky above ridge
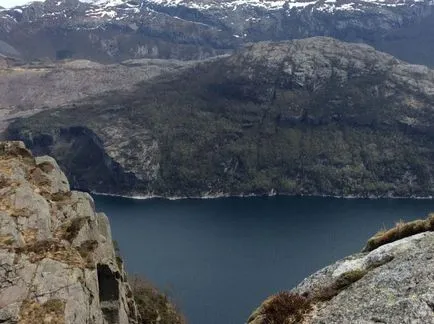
(12, 3)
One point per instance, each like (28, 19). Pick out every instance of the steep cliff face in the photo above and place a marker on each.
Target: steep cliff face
(57, 260)
(392, 282)
(314, 116)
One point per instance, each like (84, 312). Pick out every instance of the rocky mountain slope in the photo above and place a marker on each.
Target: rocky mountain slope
(58, 263)
(393, 283)
(28, 88)
(115, 30)
(314, 116)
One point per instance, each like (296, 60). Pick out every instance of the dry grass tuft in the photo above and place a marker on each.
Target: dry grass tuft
(61, 197)
(86, 250)
(53, 250)
(17, 151)
(401, 230)
(22, 212)
(286, 308)
(52, 311)
(30, 235)
(69, 230)
(292, 308)
(4, 181)
(39, 179)
(47, 167)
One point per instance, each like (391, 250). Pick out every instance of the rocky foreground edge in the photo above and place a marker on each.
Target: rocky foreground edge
(58, 264)
(391, 282)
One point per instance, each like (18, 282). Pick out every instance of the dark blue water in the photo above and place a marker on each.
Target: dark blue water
(220, 258)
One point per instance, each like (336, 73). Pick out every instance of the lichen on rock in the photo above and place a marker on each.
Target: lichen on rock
(53, 246)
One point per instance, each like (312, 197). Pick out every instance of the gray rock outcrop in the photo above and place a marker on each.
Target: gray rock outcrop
(393, 283)
(57, 260)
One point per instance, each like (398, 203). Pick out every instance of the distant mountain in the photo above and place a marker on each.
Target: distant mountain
(28, 88)
(7, 50)
(115, 30)
(313, 116)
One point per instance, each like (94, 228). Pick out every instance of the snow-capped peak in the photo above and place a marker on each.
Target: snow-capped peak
(322, 5)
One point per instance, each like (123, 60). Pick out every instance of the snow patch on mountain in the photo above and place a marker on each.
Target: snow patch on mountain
(110, 9)
(100, 11)
(327, 5)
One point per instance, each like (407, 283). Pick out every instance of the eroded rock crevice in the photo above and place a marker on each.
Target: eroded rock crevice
(81, 154)
(108, 285)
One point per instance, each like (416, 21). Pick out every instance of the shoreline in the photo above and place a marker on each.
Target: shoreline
(272, 193)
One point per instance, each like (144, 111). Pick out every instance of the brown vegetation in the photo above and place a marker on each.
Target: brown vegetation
(86, 250)
(54, 250)
(401, 230)
(52, 311)
(153, 306)
(286, 308)
(292, 308)
(70, 230)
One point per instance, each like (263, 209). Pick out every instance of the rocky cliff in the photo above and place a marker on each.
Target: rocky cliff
(315, 116)
(392, 282)
(57, 260)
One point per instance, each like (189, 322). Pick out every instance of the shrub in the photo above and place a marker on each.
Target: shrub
(153, 306)
(286, 308)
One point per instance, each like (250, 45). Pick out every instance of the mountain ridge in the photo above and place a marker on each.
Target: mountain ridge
(112, 31)
(307, 117)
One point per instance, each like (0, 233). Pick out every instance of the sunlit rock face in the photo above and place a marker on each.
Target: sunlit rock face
(58, 263)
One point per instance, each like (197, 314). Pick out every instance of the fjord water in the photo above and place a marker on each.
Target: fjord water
(221, 258)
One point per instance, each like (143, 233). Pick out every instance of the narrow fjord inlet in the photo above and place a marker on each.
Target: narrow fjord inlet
(221, 258)
(285, 149)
